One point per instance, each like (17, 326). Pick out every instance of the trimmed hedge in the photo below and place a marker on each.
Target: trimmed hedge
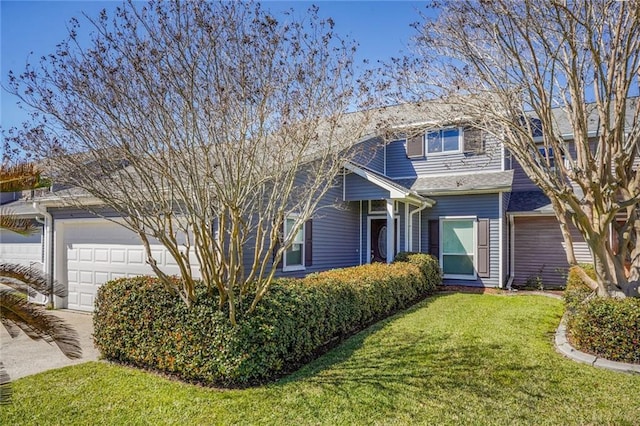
(577, 291)
(427, 263)
(609, 328)
(137, 321)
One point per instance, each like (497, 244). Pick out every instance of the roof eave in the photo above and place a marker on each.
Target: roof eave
(466, 191)
(394, 191)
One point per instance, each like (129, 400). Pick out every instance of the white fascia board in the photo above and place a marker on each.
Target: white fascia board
(531, 214)
(64, 201)
(455, 174)
(24, 214)
(439, 123)
(394, 193)
(567, 136)
(493, 190)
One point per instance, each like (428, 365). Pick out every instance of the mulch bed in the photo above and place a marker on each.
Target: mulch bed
(492, 290)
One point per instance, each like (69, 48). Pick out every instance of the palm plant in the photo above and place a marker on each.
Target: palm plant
(18, 281)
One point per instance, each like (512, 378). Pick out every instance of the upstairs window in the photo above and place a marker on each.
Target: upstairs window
(380, 206)
(547, 153)
(443, 141)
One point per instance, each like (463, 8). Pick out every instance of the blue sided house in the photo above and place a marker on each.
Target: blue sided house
(436, 186)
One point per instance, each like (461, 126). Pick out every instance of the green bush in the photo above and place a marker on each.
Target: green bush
(427, 263)
(137, 321)
(609, 328)
(577, 291)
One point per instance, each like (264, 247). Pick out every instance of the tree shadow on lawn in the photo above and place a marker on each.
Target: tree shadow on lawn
(398, 362)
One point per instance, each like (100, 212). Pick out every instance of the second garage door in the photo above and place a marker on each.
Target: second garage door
(539, 253)
(97, 251)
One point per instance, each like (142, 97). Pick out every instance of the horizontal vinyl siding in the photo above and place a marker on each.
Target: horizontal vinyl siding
(398, 165)
(22, 249)
(539, 251)
(521, 181)
(370, 153)
(580, 247)
(358, 188)
(336, 236)
(484, 206)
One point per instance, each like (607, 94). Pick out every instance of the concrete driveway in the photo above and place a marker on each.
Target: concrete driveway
(23, 357)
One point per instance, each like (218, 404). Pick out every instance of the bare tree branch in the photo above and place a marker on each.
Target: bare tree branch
(190, 117)
(530, 70)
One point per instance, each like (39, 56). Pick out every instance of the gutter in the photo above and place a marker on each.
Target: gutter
(48, 250)
(466, 191)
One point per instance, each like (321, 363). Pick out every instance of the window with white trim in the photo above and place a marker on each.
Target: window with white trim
(444, 141)
(547, 153)
(294, 255)
(380, 206)
(458, 247)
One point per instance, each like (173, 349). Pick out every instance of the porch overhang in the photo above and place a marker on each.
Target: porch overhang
(391, 189)
(490, 182)
(529, 203)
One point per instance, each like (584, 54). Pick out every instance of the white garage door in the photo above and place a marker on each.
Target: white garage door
(23, 250)
(100, 251)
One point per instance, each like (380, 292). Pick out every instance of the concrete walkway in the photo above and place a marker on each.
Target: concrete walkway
(22, 356)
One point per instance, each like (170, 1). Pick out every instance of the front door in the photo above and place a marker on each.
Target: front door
(379, 240)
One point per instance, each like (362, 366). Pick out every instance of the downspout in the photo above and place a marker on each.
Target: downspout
(419, 209)
(360, 251)
(511, 252)
(48, 250)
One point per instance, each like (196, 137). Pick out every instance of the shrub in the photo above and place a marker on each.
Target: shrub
(577, 291)
(138, 321)
(609, 328)
(427, 263)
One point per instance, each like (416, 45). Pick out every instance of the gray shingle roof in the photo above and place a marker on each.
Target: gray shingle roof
(529, 201)
(22, 208)
(395, 184)
(593, 120)
(434, 185)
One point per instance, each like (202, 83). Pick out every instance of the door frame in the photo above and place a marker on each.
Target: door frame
(380, 217)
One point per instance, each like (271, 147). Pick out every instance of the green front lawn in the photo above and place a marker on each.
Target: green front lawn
(453, 359)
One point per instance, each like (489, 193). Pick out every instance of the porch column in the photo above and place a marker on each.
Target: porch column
(391, 231)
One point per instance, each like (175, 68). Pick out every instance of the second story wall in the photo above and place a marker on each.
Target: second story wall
(487, 157)
(370, 153)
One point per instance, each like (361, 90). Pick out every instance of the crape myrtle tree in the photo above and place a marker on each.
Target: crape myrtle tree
(203, 125)
(18, 281)
(516, 69)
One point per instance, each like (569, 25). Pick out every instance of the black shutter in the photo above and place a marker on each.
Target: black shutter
(415, 146)
(483, 248)
(473, 141)
(308, 243)
(434, 238)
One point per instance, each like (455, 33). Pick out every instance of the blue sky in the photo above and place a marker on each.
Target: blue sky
(382, 28)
